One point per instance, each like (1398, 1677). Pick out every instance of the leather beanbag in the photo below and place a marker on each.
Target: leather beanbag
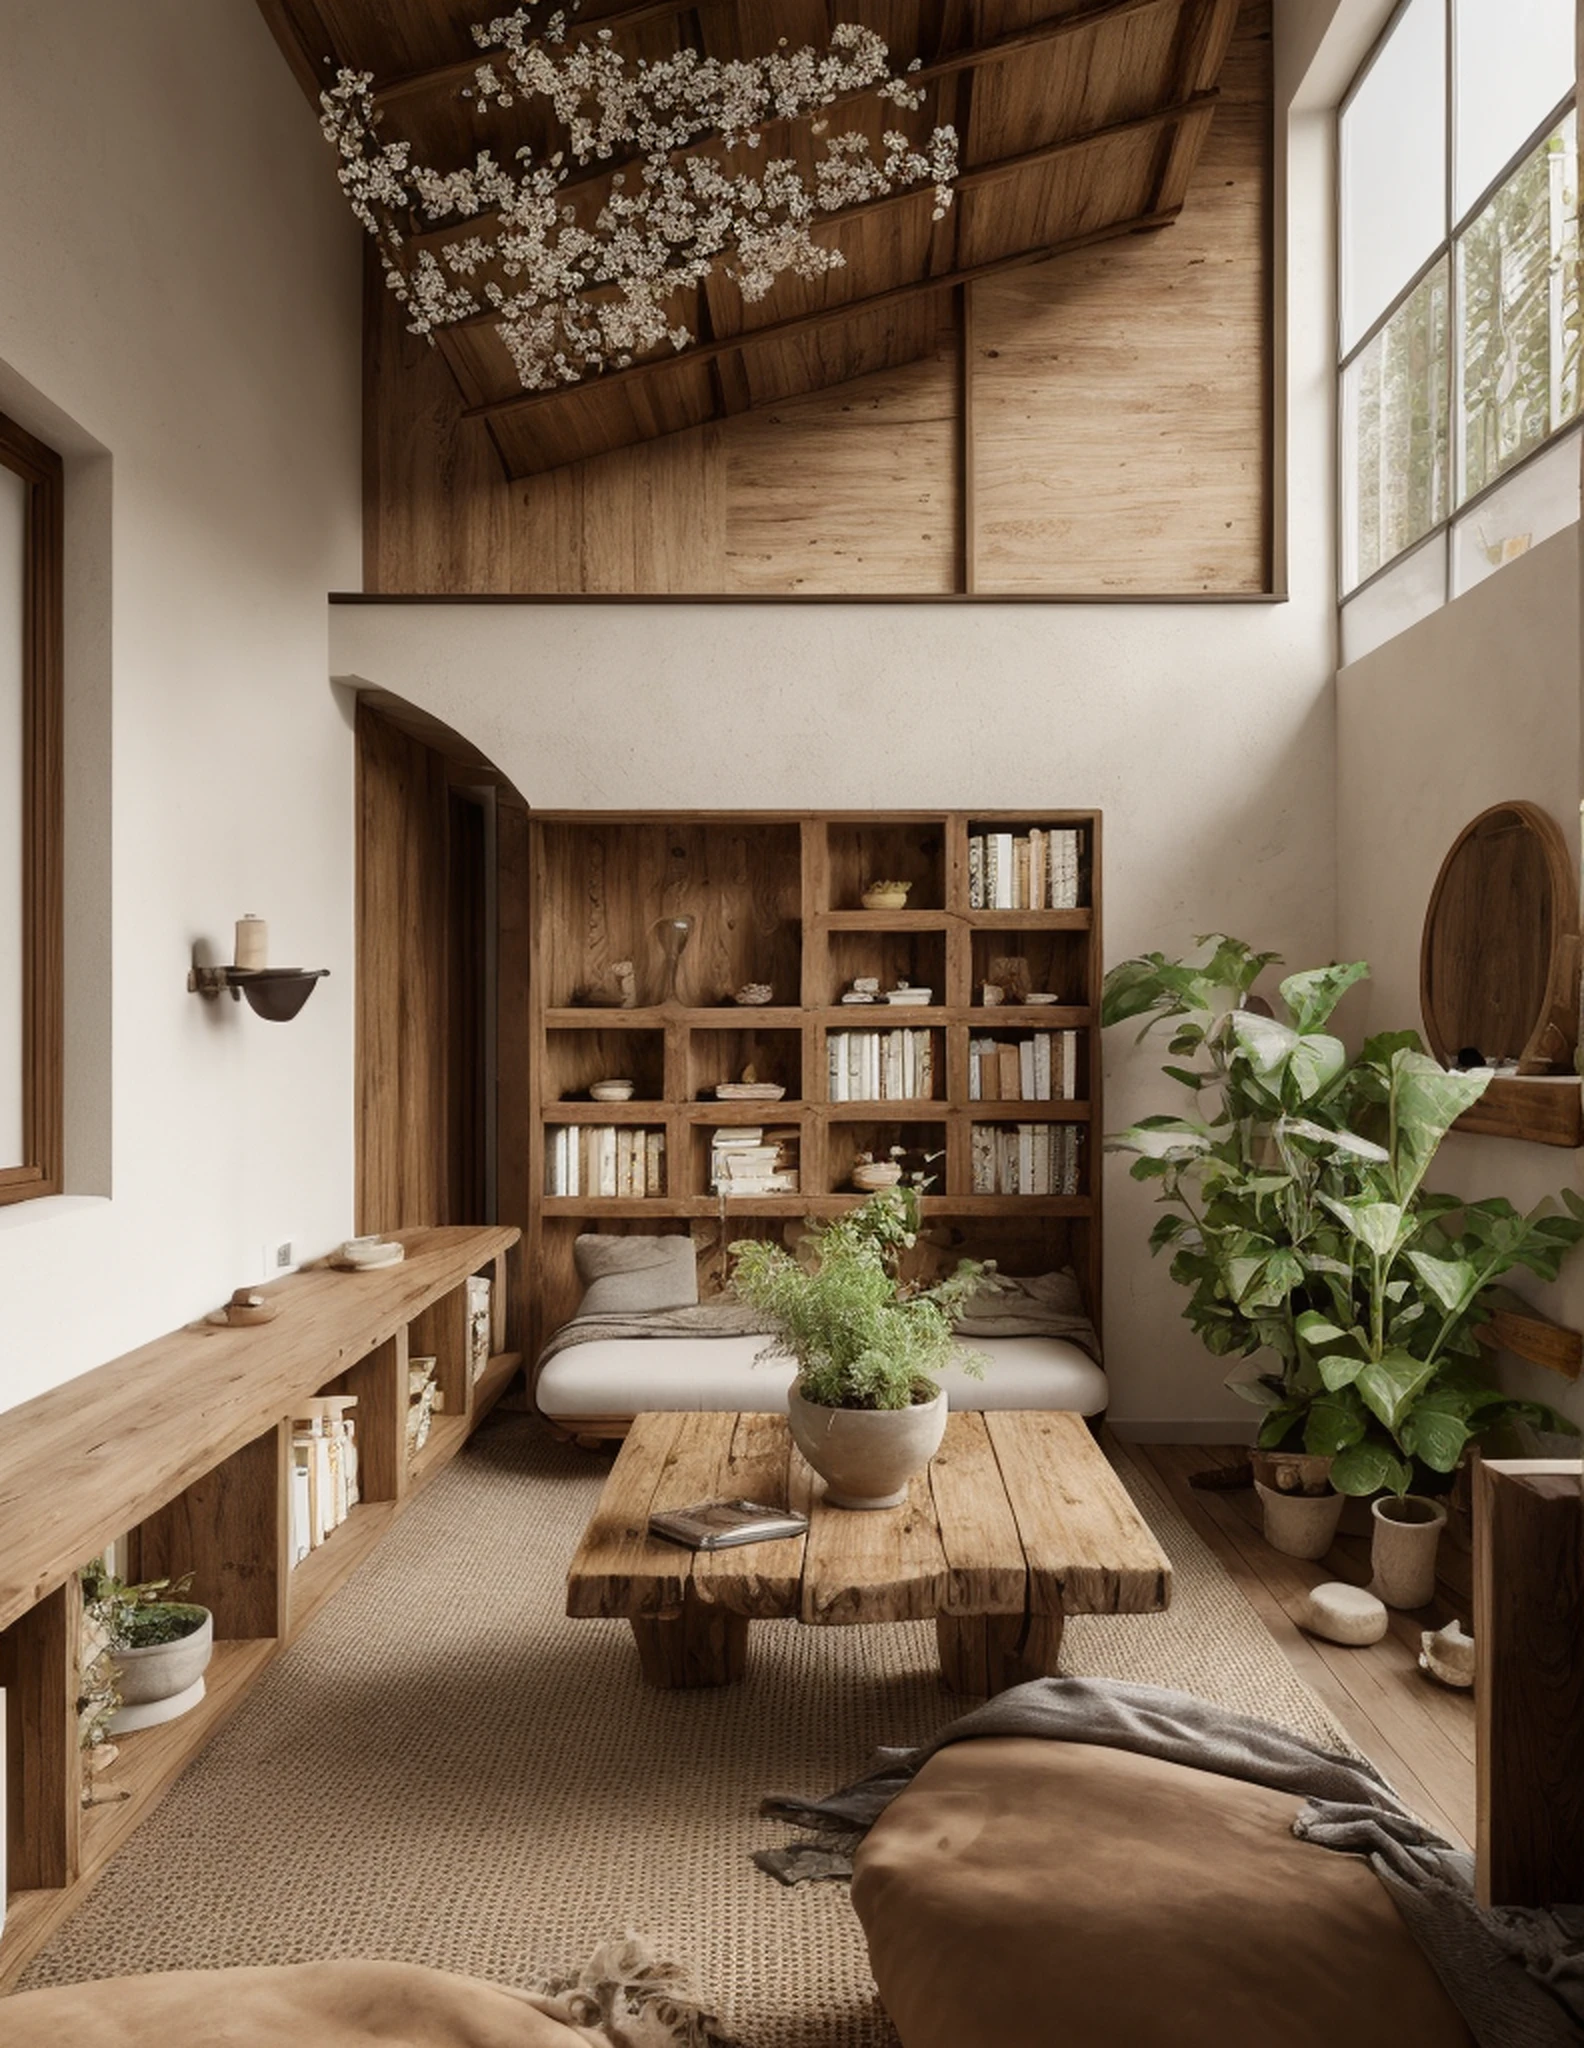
(1023, 1893)
(307, 2005)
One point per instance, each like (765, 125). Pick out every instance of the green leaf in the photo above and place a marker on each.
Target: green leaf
(1333, 1425)
(1273, 1431)
(1346, 1143)
(1435, 1436)
(1338, 1370)
(1376, 1225)
(1390, 1384)
(1453, 1282)
(1259, 1391)
(1370, 1467)
(1167, 1230)
(1169, 1138)
(1312, 995)
(1426, 1101)
(1314, 1064)
(1188, 1078)
(1380, 1050)
(1314, 1329)
(1266, 1044)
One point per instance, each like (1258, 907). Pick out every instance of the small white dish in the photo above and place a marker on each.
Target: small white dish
(613, 1091)
(1041, 999)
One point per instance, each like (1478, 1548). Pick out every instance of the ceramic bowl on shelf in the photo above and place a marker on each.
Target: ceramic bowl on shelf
(885, 896)
(754, 995)
(613, 1091)
(1041, 998)
(877, 1174)
(367, 1255)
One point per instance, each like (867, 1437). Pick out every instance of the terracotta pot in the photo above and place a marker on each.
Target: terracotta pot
(1403, 1548)
(162, 1681)
(1292, 1471)
(866, 1456)
(1299, 1524)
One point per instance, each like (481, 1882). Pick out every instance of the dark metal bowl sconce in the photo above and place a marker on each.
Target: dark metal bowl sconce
(275, 993)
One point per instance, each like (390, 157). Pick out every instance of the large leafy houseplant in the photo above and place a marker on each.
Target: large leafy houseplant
(1298, 1220)
(862, 1336)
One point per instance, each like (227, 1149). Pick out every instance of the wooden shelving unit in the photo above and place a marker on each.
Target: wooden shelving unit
(775, 899)
(181, 1451)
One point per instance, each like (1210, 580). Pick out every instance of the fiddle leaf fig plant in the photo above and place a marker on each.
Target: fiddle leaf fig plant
(1298, 1220)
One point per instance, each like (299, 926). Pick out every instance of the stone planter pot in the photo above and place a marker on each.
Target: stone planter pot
(866, 1456)
(1403, 1548)
(1299, 1524)
(163, 1680)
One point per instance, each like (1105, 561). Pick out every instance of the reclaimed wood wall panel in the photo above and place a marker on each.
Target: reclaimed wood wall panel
(1119, 438)
(1121, 421)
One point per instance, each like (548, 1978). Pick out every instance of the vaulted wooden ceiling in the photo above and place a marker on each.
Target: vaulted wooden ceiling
(1080, 120)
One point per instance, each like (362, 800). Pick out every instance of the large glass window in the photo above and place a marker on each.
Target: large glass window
(30, 816)
(1459, 297)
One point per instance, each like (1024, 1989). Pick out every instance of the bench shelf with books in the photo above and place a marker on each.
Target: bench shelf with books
(781, 994)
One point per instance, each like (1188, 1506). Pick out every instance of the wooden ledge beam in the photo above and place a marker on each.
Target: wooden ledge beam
(1191, 113)
(808, 323)
(1057, 30)
(1535, 1337)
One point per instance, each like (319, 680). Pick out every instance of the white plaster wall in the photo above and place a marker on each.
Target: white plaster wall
(1476, 704)
(1205, 733)
(179, 311)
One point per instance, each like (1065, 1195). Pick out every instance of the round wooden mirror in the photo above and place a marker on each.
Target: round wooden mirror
(1498, 969)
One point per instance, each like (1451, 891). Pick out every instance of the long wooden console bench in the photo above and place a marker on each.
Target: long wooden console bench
(183, 1448)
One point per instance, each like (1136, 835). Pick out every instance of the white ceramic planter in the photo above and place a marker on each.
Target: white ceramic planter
(866, 1456)
(1403, 1549)
(162, 1681)
(1299, 1524)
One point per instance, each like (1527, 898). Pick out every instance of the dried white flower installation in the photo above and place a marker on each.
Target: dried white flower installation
(578, 289)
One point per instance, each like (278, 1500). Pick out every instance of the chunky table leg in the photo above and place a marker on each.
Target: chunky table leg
(703, 1645)
(985, 1653)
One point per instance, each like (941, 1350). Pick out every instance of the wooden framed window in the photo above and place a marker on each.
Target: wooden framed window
(31, 640)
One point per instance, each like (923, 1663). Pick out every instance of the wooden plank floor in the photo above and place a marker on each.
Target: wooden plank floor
(1418, 1733)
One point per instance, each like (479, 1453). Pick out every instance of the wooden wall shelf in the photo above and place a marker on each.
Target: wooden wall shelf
(775, 899)
(1541, 1109)
(182, 1449)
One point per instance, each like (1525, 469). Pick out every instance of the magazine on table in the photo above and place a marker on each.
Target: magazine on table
(718, 1524)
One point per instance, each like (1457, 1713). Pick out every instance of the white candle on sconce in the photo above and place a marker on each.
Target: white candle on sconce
(252, 943)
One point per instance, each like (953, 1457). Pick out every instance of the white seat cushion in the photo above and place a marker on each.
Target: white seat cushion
(617, 1376)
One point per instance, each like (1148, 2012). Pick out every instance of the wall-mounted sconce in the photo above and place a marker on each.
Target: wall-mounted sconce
(274, 993)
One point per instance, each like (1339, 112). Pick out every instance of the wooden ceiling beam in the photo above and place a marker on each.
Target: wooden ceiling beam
(461, 70)
(1188, 115)
(800, 324)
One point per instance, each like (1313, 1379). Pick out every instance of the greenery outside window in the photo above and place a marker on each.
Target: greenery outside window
(1460, 315)
(30, 816)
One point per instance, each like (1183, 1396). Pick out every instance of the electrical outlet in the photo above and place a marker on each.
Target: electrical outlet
(279, 1258)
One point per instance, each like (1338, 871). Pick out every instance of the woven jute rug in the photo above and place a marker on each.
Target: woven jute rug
(443, 1769)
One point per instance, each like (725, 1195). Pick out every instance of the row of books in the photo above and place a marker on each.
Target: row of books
(424, 1400)
(616, 1161)
(746, 1159)
(1040, 1068)
(881, 1066)
(1034, 870)
(324, 1470)
(1025, 1159)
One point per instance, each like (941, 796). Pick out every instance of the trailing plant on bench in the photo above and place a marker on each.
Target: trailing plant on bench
(1299, 1223)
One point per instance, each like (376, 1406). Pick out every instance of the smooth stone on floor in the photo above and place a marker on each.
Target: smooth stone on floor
(1344, 1614)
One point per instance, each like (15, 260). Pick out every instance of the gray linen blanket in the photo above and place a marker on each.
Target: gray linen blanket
(1516, 1976)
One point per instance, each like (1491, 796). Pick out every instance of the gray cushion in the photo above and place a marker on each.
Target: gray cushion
(631, 1275)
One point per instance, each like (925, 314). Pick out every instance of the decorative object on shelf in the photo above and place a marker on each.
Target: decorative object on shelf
(574, 289)
(748, 1160)
(1503, 987)
(1041, 996)
(864, 1410)
(749, 1091)
(245, 1307)
(905, 994)
(480, 1325)
(885, 895)
(368, 1254)
(1448, 1654)
(252, 944)
(148, 1651)
(618, 1090)
(674, 935)
(1322, 1249)
(753, 995)
(423, 1398)
(870, 1175)
(865, 988)
(1343, 1613)
(992, 995)
(621, 994)
(1403, 1544)
(1299, 1524)
(1010, 973)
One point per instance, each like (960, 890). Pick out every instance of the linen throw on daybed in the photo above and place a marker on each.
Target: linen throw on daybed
(1517, 1976)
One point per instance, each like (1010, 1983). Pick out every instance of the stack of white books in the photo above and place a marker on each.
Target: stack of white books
(748, 1160)
(324, 1470)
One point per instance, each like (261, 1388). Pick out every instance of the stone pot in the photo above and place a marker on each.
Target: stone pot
(163, 1680)
(1403, 1548)
(1299, 1524)
(866, 1456)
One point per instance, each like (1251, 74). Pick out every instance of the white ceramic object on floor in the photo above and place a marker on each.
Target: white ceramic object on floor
(1448, 1654)
(1299, 1524)
(1403, 1548)
(866, 1456)
(1344, 1614)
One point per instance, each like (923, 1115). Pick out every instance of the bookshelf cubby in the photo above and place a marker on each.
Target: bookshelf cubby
(775, 898)
(180, 1451)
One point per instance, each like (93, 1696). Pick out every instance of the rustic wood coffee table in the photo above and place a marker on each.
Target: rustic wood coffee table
(1018, 1523)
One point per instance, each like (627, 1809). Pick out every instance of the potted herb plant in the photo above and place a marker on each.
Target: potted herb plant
(1299, 1223)
(152, 1651)
(865, 1409)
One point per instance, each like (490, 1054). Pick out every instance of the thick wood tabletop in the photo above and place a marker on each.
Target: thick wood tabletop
(1018, 1513)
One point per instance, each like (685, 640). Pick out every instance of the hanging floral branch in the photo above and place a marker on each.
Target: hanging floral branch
(573, 296)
